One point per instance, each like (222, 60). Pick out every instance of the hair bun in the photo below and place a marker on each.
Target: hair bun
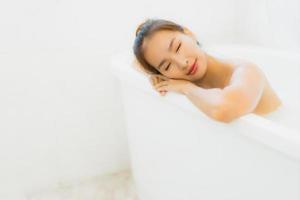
(143, 25)
(139, 28)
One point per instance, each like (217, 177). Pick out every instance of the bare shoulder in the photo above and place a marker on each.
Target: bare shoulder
(249, 77)
(242, 68)
(238, 62)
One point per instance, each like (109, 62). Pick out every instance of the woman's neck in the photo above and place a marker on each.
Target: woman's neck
(217, 73)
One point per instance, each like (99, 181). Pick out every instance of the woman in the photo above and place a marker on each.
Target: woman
(223, 89)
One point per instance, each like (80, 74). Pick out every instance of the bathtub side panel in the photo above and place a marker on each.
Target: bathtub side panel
(173, 150)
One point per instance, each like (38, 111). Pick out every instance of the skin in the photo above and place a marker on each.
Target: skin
(223, 89)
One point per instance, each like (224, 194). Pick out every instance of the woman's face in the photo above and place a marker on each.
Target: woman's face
(175, 55)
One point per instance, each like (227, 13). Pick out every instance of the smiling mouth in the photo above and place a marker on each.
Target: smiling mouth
(193, 68)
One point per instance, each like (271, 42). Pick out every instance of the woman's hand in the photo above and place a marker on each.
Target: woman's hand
(163, 84)
(155, 79)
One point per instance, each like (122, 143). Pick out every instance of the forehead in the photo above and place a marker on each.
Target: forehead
(156, 46)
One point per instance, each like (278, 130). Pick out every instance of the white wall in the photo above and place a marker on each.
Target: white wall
(269, 23)
(61, 119)
(61, 113)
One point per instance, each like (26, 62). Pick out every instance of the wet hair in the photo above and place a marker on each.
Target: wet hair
(146, 29)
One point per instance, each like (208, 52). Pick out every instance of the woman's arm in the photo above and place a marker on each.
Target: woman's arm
(237, 99)
(207, 100)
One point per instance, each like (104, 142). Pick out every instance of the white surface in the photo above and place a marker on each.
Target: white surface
(116, 186)
(60, 120)
(75, 23)
(175, 147)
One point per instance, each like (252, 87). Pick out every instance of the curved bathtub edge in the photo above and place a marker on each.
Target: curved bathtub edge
(275, 135)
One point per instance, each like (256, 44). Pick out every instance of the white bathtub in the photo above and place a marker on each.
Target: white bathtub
(178, 153)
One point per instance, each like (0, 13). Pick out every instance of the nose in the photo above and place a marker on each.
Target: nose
(185, 64)
(182, 63)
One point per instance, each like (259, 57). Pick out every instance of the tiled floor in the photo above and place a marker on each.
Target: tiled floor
(117, 186)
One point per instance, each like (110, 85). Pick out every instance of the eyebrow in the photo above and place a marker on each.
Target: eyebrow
(169, 49)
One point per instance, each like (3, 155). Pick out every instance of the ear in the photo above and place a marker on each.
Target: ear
(190, 33)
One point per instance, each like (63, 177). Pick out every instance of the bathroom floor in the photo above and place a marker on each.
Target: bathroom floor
(116, 186)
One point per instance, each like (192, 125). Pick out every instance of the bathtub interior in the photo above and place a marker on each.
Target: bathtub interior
(281, 68)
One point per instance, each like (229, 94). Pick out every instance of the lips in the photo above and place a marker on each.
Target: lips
(193, 68)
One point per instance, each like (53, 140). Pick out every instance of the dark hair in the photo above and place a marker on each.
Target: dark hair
(147, 28)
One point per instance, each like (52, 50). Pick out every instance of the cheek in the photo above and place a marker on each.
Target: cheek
(168, 74)
(202, 56)
(174, 74)
(204, 60)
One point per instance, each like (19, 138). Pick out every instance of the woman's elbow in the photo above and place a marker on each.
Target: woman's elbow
(222, 115)
(234, 108)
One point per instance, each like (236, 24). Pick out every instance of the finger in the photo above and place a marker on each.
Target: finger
(151, 79)
(156, 80)
(163, 83)
(161, 77)
(162, 89)
(161, 80)
(162, 94)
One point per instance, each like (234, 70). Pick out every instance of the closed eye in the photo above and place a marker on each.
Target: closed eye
(178, 47)
(168, 66)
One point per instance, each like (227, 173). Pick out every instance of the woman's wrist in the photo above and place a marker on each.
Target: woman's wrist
(188, 88)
